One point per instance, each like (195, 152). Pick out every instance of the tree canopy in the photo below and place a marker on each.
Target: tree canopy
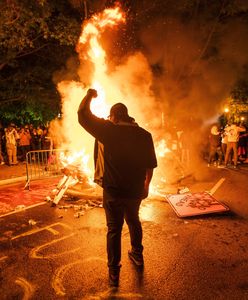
(185, 41)
(36, 38)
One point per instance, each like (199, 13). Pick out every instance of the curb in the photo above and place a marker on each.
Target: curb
(13, 180)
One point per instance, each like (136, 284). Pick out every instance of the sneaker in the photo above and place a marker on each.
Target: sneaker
(221, 166)
(114, 278)
(137, 259)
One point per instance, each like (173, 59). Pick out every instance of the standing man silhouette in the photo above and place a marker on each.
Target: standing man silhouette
(125, 153)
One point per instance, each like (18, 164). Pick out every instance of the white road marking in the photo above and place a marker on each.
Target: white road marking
(3, 258)
(216, 186)
(34, 252)
(33, 231)
(18, 211)
(27, 287)
(57, 279)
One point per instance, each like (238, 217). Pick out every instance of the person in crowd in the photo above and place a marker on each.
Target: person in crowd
(34, 140)
(215, 146)
(242, 146)
(126, 154)
(46, 141)
(1, 145)
(233, 132)
(24, 142)
(224, 141)
(39, 131)
(32, 132)
(1, 154)
(11, 136)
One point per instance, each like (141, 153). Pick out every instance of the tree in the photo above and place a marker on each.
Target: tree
(36, 39)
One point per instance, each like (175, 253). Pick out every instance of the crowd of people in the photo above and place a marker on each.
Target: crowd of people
(16, 142)
(228, 146)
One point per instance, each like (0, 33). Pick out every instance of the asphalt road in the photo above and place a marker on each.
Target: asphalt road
(47, 253)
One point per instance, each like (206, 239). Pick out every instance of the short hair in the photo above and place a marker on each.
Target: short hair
(120, 112)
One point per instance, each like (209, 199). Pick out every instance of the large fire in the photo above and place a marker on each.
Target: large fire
(129, 83)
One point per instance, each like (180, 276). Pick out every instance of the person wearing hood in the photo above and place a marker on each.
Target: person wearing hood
(233, 132)
(215, 146)
(124, 161)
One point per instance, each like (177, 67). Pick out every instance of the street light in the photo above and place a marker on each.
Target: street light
(226, 115)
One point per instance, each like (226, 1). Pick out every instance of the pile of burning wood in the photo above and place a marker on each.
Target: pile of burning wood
(73, 187)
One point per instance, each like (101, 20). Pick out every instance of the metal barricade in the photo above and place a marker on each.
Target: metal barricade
(43, 164)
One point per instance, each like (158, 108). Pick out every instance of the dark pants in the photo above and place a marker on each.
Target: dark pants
(24, 151)
(116, 210)
(212, 153)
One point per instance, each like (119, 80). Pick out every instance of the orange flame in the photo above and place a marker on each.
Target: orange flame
(131, 82)
(72, 92)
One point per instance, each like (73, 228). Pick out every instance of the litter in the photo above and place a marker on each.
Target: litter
(20, 207)
(183, 190)
(79, 214)
(32, 222)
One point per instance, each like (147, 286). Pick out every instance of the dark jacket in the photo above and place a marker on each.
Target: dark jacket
(128, 152)
(215, 140)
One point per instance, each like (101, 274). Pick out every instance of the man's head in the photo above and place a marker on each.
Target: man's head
(214, 130)
(119, 113)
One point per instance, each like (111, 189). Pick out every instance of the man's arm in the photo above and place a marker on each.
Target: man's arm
(94, 125)
(241, 129)
(149, 174)
(84, 107)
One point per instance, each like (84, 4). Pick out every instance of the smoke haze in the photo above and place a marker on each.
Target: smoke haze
(179, 79)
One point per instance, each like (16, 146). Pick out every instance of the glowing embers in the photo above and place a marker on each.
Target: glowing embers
(75, 161)
(161, 148)
(108, 18)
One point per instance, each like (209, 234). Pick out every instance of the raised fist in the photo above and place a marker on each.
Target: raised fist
(92, 93)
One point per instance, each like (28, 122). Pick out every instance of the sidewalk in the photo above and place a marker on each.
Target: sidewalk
(11, 174)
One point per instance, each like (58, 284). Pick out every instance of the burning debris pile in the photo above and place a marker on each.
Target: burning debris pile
(75, 187)
(109, 81)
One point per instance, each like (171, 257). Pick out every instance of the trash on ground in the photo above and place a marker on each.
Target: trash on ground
(20, 207)
(32, 222)
(183, 190)
(48, 198)
(79, 214)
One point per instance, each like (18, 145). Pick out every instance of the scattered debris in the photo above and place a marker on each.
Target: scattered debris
(20, 207)
(73, 187)
(48, 198)
(65, 206)
(183, 190)
(79, 214)
(32, 222)
(81, 206)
